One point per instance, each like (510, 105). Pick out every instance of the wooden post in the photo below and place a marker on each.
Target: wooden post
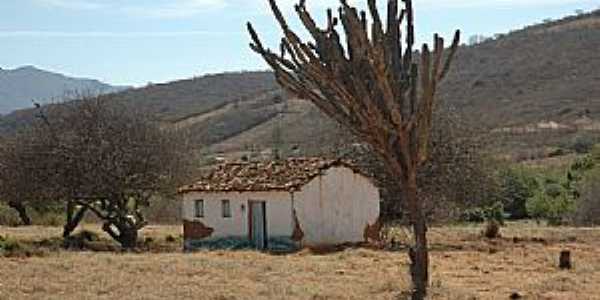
(565, 260)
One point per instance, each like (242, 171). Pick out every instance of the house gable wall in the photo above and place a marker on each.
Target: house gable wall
(337, 207)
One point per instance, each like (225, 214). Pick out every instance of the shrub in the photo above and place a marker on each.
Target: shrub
(475, 215)
(494, 212)
(516, 187)
(9, 245)
(492, 229)
(8, 216)
(557, 152)
(581, 165)
(552, 202)
(583, 144)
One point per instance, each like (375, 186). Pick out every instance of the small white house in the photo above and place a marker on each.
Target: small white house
(301, 202)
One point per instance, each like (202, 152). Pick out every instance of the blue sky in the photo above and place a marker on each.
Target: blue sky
(133, 42)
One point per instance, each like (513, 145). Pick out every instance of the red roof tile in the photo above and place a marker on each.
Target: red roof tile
(285, 175)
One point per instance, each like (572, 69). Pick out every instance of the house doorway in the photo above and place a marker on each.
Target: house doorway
(257, 221)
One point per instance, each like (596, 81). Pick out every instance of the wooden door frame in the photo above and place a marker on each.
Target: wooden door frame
(250, 223)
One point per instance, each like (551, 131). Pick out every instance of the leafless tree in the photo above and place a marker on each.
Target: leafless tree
(374, 87)
(458, 174)
(22, 179)
(455, 176)
(11, 190)
(111, 162)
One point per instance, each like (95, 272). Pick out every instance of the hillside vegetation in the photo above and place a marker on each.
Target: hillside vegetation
(507, 85)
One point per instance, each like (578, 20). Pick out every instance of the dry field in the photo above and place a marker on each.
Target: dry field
(465, 266)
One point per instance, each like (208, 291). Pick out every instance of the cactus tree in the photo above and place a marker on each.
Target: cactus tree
(375, 85)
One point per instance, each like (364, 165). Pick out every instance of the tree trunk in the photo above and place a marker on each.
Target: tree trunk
(418, 253)
(73, 219)
(126, 236)
(22, 211)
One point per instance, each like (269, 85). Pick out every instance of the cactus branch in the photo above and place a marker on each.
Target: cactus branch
(374, 85)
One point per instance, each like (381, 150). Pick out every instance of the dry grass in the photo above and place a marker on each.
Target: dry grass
(464, 266)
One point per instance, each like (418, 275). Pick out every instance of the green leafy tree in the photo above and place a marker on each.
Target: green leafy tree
(517, 186)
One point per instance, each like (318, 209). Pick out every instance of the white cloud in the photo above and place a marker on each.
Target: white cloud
(73, 4)
(150, 8)
(174, 9)
(108, 34)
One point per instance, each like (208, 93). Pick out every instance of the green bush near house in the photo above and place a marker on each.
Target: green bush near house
(475, 215)
(494, 212)
(552, 201)
(517, 186)
(557, 196)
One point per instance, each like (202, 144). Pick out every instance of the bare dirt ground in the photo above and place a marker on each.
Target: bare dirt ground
(464, 266)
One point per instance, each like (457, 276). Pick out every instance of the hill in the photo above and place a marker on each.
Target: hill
(519, 83)
(510, 87)
(542, 77)
(20, 86)
(178, 100)
(547, 72)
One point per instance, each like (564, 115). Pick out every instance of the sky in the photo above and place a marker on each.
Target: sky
(135, 42)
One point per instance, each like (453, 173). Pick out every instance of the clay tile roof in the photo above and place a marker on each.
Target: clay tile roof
(285, 175)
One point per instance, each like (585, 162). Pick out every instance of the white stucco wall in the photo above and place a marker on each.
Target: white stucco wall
(332, 209)
(278, 207)
(336, 207)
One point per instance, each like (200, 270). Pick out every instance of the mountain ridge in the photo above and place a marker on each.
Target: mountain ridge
(21, 86)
